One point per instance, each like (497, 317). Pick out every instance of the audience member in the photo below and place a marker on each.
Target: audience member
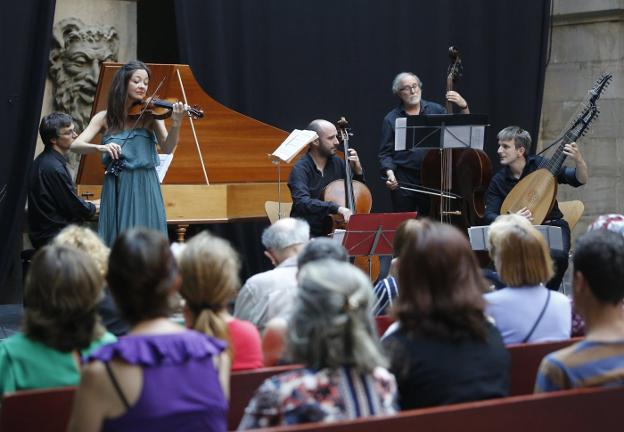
(267, 294)
(161, 376)
(88, 242)
(598, 291)
(60, 322)
(525, 311)
(387, 289)
(274, 336)
(445, 350)
(332, 333)
(209, 267)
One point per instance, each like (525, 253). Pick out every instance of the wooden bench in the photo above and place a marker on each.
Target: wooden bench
(572, 410)
(37, 410)
(525, 361)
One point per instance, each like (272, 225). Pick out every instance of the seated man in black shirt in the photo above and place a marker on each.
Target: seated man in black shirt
(315, 170)
(404, 165)
(514, 144)
(52, 200)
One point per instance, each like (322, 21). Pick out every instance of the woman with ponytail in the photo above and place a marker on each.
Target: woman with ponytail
(332, 333)
(209, 267)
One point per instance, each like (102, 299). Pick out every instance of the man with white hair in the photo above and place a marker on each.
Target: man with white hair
(268, 294)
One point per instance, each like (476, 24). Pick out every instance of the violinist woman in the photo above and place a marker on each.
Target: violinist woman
(315, 170)
(131, 193)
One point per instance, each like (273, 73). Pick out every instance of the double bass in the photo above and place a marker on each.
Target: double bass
(460, 174)
(353, 195)
(537, 191)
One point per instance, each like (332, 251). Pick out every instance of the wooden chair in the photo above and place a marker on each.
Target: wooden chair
(37, 410)
(525, 361)
(383, 322)
(572, 211)
(244, 384)
(277, 210)
(590, 409)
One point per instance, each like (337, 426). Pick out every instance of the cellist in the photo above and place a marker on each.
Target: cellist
(315, 170)
(514, 145)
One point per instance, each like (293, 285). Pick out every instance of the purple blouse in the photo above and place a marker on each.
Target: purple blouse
(181, 389)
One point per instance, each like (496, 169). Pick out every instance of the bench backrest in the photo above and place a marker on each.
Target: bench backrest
(525, 361)
(573, 410)
(37, 410)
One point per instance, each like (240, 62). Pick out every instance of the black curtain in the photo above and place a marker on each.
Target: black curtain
(26, 32)
(287, 62)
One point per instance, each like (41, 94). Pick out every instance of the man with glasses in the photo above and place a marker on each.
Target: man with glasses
(404, 165)
(52, 200)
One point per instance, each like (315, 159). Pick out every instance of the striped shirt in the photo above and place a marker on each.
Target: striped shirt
(584, 364)
(385, 291)
(305, 395)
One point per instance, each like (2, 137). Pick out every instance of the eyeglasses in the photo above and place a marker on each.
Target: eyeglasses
(412, 88)
(68, 133)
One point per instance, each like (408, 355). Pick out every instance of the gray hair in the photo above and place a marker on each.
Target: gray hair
(520, 137)
(322, 248)
(396, 82)
(284, 233)
(332, 324)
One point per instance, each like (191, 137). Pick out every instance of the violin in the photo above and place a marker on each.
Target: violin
(160, 109)
(355, 196)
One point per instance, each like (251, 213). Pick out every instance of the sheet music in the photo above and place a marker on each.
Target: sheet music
(293, 144)
(400, 128)
(161, 169)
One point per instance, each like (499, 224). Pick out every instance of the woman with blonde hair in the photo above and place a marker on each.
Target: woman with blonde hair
(209, 267)
(88, 242)
(525, 311)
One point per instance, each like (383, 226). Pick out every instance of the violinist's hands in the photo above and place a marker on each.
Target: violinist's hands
(113, 150)
(354, 160)
(457, 99)
(392, 182)
(345, 212)
(179, 108)
(525, 212)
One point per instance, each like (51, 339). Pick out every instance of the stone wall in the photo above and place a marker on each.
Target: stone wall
(588, 39)
(121, 14)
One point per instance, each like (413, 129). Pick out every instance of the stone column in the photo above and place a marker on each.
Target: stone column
(588, 39)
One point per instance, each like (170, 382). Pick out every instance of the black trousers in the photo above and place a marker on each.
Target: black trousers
(407, 201)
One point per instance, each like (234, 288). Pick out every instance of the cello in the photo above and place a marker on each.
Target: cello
(462, 173)
(353, 195)
(537, 191)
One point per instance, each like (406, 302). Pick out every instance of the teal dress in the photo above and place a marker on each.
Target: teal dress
(132, 198)
(27, 364)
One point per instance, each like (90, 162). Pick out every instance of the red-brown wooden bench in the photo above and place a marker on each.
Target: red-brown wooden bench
(37, 410)
(572, 410)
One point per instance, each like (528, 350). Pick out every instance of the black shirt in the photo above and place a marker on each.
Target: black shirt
(389, 159)
(503, 182)
(52, 200)
(432, 371)
(306, 183)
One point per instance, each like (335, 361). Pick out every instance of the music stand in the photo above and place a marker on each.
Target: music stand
(372, 234)
(440, 131)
